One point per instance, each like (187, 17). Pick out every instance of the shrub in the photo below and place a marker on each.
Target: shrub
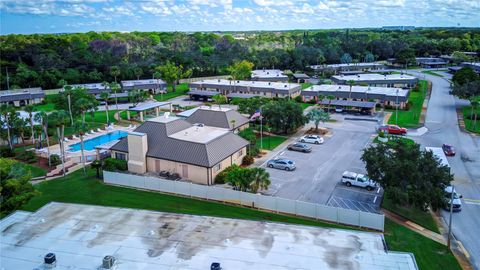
(27, 156)
(312, 101)
(113, 165)
(220, 178)
(381, 134)
(55, 160)
(6, 152)
(298, 99)
(247, 160)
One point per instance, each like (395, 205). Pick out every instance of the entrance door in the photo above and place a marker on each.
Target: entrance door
(185, 171)
(157, 165)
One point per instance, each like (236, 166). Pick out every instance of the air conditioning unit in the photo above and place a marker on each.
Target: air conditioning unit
(215, 266)
(50, 261)
(108, 262)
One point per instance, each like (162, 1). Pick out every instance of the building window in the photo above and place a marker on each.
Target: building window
(217, 167)
(120, 156)
(240, 153)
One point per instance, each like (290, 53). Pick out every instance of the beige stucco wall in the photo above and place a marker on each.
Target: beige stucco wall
(138, 147)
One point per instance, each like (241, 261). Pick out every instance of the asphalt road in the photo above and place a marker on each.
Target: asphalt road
(318, 173)
(442, 124)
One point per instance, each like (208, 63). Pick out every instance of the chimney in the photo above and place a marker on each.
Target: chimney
(137, 152)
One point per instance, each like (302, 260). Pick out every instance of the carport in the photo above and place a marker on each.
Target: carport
(141, 108)
(241, 95)
(350, 104)
(201, 94)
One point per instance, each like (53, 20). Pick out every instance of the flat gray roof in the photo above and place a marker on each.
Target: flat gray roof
(374, 77)
(349, 103)
(130, 83)
(347, 65)
(148, 106)
(371, 90)
(81, 235)
(268, 73)
(257, 84)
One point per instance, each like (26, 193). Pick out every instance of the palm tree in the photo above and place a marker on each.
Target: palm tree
(330, 98)
(233, 121)
(68, 91)
(115, 72)
(260, 179)
(82, 128)
(115, 87)
(42, 118)
(58, 118)
(104, 96)
(320, 98)
(30, 110)
(83, 104)
(9, 115)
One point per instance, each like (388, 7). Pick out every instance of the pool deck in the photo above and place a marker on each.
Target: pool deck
(55, 149)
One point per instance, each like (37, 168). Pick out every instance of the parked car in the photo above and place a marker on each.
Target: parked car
(392, 129)
(281, 163)
(448, 150)
(457, 203)
(301, 147)
(338, 109)
(312, 139)
(359, 180)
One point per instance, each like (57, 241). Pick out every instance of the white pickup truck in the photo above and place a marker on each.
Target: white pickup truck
(359, 180)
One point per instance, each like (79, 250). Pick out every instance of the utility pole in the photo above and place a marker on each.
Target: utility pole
(396, 110)
(450, 222)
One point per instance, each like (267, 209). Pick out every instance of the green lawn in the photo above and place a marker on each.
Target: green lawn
(77, 188)
(428, 253)
(305, 105)
(430, 72)
(418, 216)
(410, 118)
(271, 142)
(48, 104)
(34, 170)
(181, 90)
(467, 110)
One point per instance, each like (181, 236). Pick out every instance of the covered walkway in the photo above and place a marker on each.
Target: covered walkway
(144, 107)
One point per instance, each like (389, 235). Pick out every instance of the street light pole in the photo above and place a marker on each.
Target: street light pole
(261, 131)
(450, 221)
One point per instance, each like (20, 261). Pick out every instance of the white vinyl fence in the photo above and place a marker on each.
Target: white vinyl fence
(275, 204)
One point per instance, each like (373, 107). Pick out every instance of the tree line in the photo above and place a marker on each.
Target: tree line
(45, 59)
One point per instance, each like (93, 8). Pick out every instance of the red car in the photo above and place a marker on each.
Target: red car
(393, 129)
(448, 150)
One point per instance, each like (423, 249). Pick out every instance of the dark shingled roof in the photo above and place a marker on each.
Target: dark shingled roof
(217, 118)
(202, 154)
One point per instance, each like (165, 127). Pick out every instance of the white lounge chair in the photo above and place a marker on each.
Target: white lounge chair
(99, 130)
(66, 139)
(92, 132)
(75, 137)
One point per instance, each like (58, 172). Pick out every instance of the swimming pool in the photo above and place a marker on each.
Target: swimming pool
(91, 143)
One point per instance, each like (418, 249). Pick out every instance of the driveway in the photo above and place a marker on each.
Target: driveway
(318, 173)
(441, 122)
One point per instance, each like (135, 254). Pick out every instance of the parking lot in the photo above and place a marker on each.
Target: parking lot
(318, 174)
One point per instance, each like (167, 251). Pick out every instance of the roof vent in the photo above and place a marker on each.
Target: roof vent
(285, 86)
(215, 266)
(166, 114)
(269, 83)
(186, 133)
(238, 81)
(50, 260)
(218, 80)
(108, 262)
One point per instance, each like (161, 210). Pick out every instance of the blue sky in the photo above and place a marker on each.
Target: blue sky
(54, 16)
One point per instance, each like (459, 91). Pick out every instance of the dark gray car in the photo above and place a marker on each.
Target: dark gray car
(283, 164)
(301, 147)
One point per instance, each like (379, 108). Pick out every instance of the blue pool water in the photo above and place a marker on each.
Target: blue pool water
(91, 143)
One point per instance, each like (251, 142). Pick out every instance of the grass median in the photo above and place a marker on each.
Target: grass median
(85, 189)
(410, 118)
(469, 117)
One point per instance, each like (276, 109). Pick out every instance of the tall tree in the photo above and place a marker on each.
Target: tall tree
(465, 75)
(9, 115)
(115, 87)
(31, 110)
(81, 129)
(57, 118)
(241, 70)
(346, 59)
(115, 72)
(42, 118)
(318, 116)
(171, 73)
(409, 175)
(104, 96)
(219, 99)
(68, 91)
(138, 71)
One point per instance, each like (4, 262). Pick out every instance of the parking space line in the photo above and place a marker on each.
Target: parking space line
(356, 190)
(374, 200)
(378, 191)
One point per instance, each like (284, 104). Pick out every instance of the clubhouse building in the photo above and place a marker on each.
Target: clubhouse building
(22, 97)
